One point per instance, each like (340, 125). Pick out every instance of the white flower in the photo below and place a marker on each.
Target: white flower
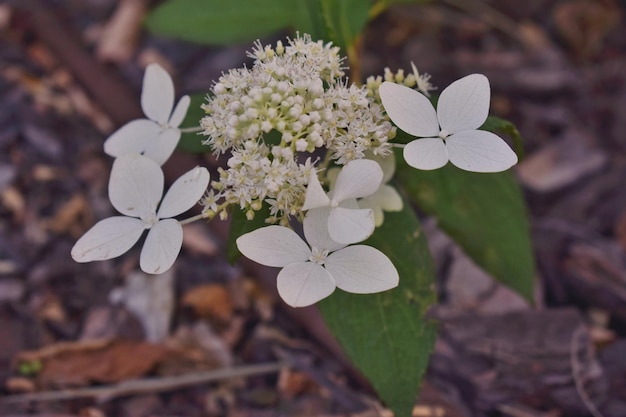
(310, 274)
(422, 81)
(157, 136)
(347, 223)
(386, 198)
(135, 189)
(450, 133)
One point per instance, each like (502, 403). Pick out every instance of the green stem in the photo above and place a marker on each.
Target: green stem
(193, 219)
(191, 129)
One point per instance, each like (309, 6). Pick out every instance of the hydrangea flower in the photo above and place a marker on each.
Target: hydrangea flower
(347, 223)
(271, 116)
(449, 133)
(386, 198)
(157, 136)
(310, 272)
(135, 189)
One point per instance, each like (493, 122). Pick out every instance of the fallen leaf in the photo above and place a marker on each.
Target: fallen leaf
(119, 38)
(104, 361)
(562, 163)
(584, 24)
(72, 217)
(151, 299)
(293, 383)
(198, 239)
(211, 301)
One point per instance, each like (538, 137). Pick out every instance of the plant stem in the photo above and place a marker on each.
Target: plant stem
(191, 129)
(193, 219)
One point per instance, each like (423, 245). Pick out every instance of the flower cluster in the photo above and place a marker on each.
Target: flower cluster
(291, 103)
(297, 138)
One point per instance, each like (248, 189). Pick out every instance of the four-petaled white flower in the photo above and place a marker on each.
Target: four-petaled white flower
(135, 189)
(347, 223)
(157, 136)
(450, 132)
(386, 198)
(310, 274)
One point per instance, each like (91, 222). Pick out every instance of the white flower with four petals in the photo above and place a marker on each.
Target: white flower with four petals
(135, 190)
(347, 223)
(157, 136)
(449, 133)
(311, 273)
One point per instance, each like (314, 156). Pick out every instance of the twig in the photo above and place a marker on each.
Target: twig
(147, 385)
(576, 371)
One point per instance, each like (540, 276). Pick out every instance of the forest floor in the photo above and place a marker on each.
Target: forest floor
(211, 339)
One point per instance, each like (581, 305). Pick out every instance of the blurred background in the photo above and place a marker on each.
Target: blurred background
(70, 74)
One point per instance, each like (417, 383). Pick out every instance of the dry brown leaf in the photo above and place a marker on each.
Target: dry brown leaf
(293, 383)
(198, 240)
(74, 364)
(19, 384)
(584, 24)
(211, 301)
(13, 200)
(73, 217)
(118, 41)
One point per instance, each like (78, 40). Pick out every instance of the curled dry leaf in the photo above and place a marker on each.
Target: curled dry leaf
(119, 38)
(211, 301)
(103, 361)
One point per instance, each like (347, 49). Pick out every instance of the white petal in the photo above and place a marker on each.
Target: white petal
(273, 246)
(464, 104)
(161, 247)
(362, 270)
(180, 111)
(388, 198)
(304, 283)
(131, 138)
(184, 193)
(426, 153)
(109, 238)
(409, 110)
(162, 146)
(157, 94)
(388, 165)
(136, 185)
(480, 151)
(358, 178)
(379, 215)
(315, 194)
(316, 230)
(350, 225)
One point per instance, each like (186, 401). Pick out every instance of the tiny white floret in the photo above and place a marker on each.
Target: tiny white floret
(311, 272)
(156, 136)
(451, 132)
(135, 190)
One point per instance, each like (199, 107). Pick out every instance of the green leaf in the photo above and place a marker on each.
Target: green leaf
(239, 225)
(484, 213)
(308, 18)
(192, 142)
(344, 19)
(387, 335)
(220, 22)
